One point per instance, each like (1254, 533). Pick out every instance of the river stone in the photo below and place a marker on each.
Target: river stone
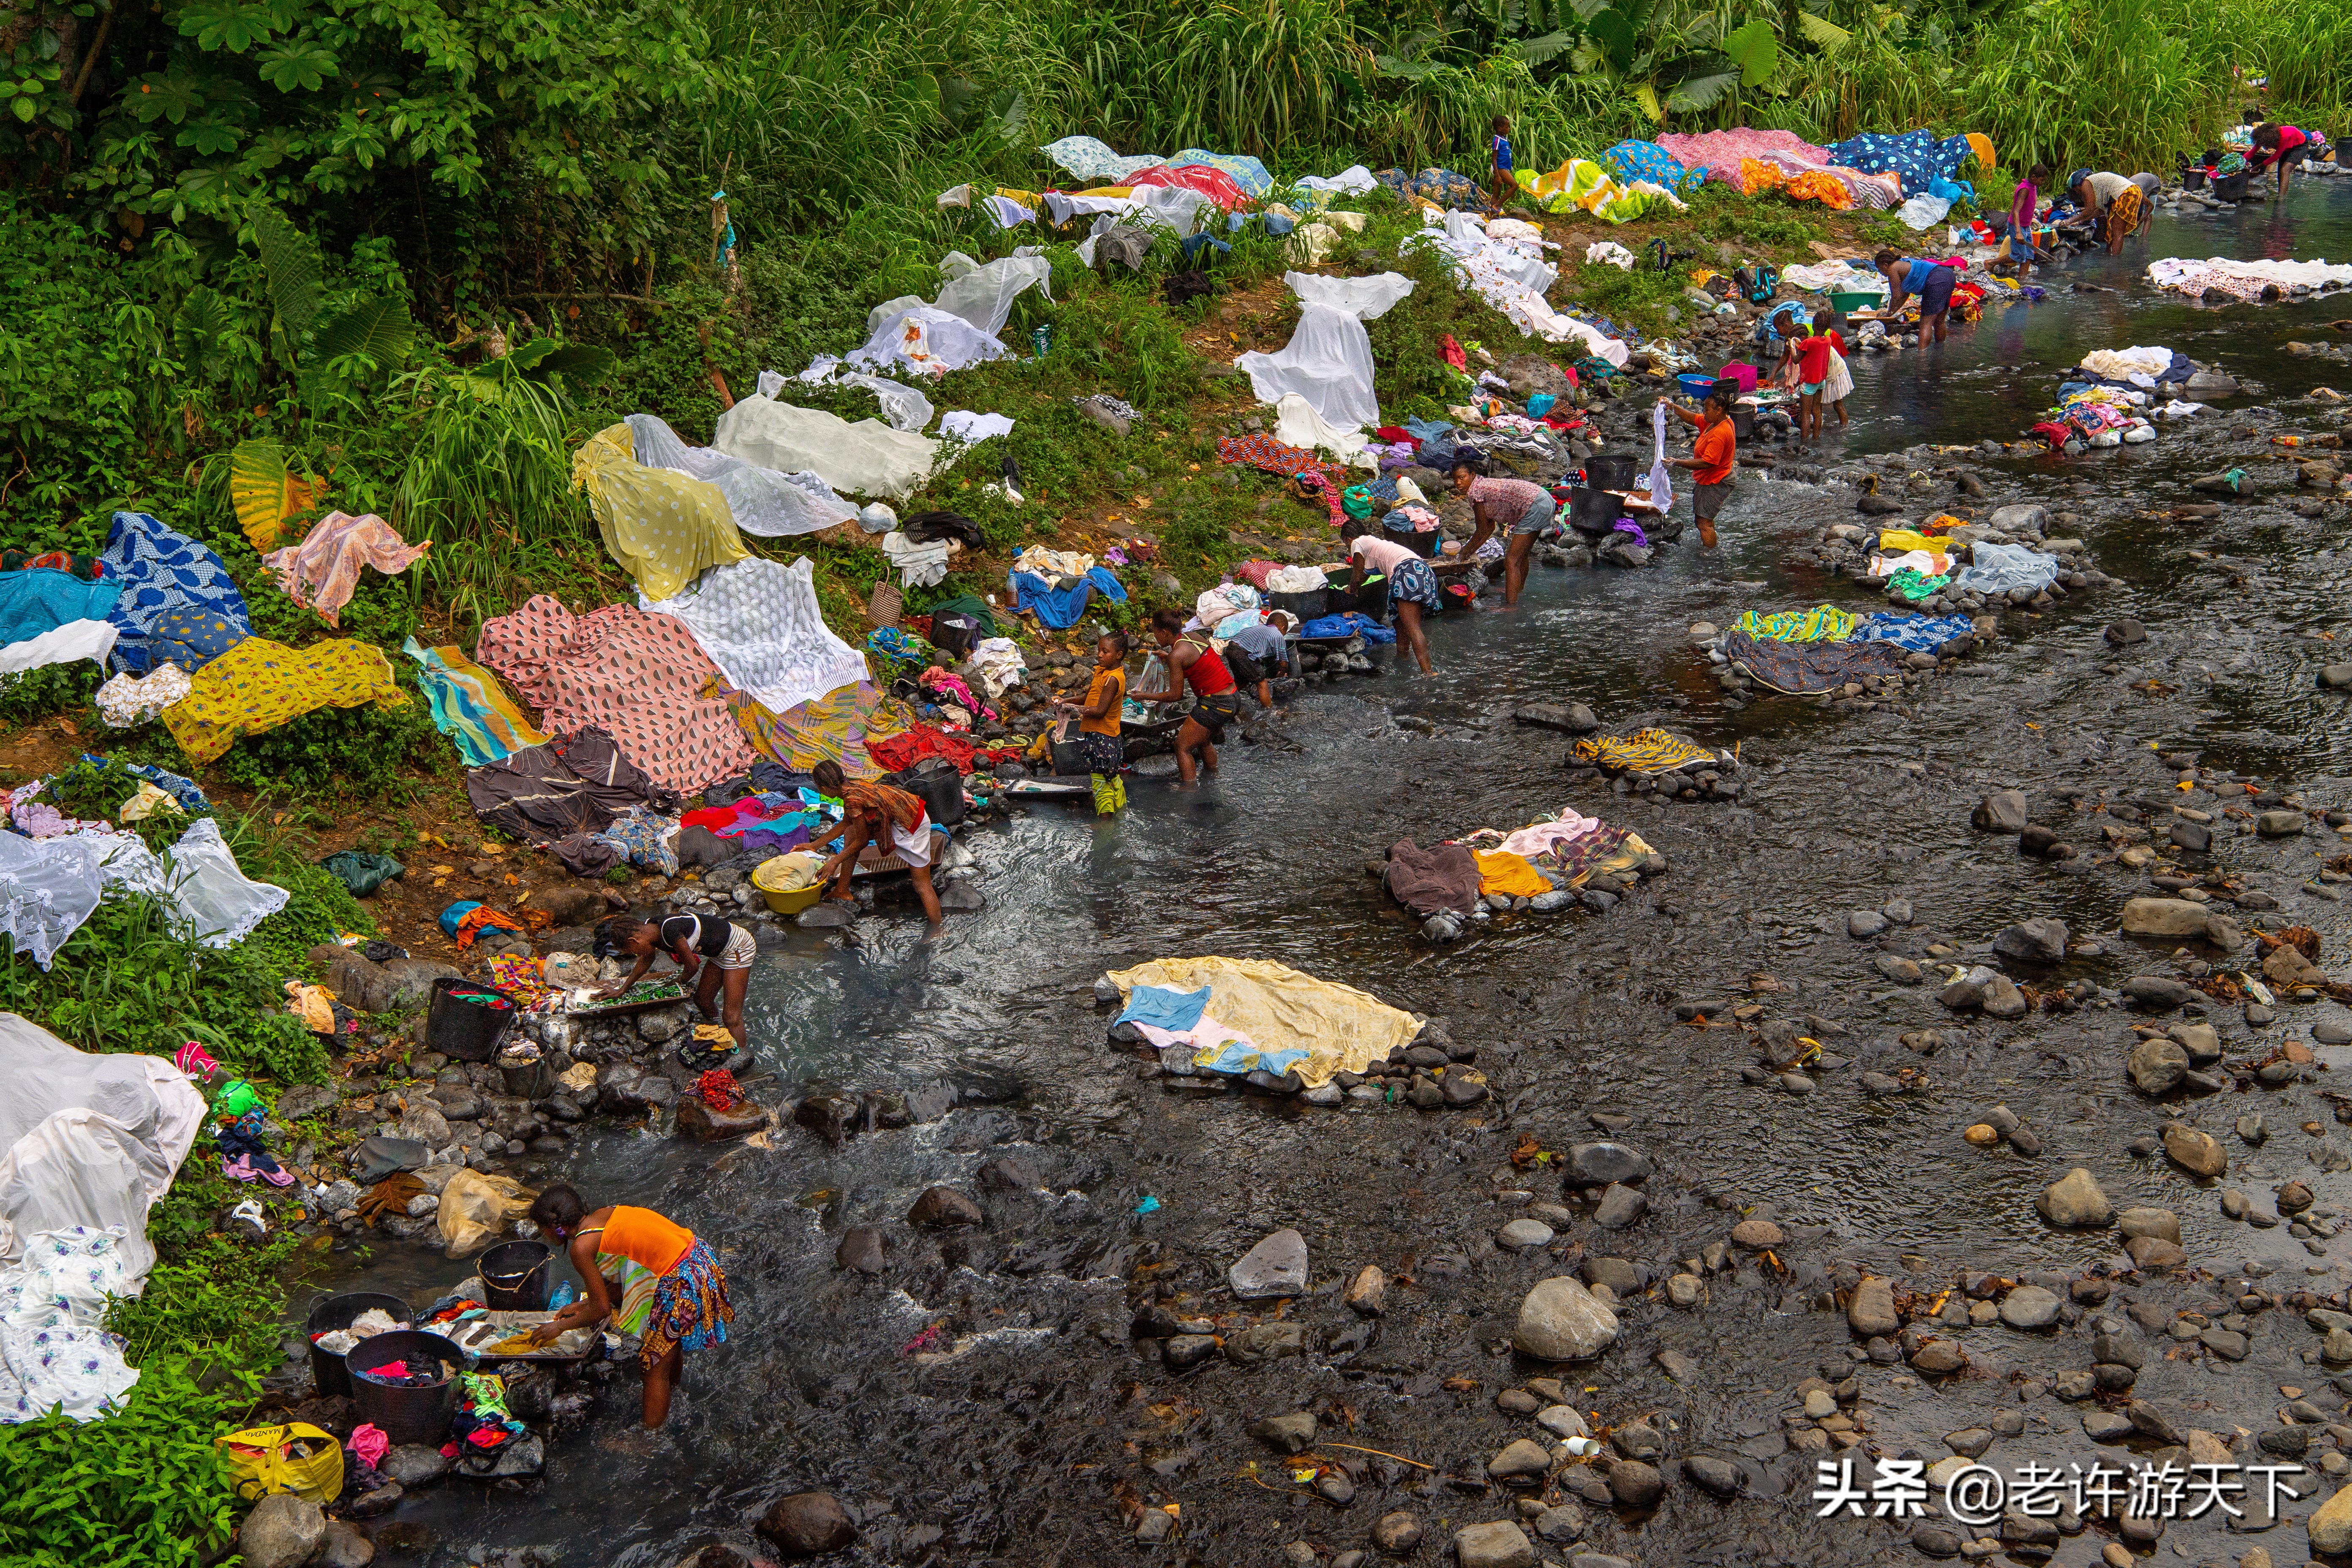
(1559, 1320)
(2192, 1151)
(1864, 924)
(2335, 676)
(1275, 1266)
(1288, 1434)
(1522, 1234)
(2075, 1200)
(2201, 1041)
(1501, 1544)
(1368, 1292)
(1569, 718)
(1265, 1341)
(413, 1465)
(1524, 1462)
(2287, 967)
(2003, 811)
(2279, 824)
(344, 1548)
(1620, 1206)
(2157, 1065)
(2029, 1307)
(2193, 837)
(2033, 942)
(2331, 1527)
(705, 1123)
(1593, 1163)
(861, 1250)
(1396, 1533)
(1562, 1421)
(1938, 1357)
(1636, 1484)
(2159, 992)
(2172, 919)
(1756, 1236)
(1179, 1353)
(1871, 1309)
(943, 1206)
(2156, 1222)
(283, 1530)
(808, 1525)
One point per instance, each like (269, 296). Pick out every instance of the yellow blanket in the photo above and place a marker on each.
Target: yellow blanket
(1900, 541)
(1508, 876)
(1340, 1029)
(664, 527)
(258, 685)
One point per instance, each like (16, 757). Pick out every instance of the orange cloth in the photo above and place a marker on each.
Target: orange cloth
(1105, 679)
(1510, 875)
(1713, 448)
(645, 1239)
(1757, 176)
(1817, 185)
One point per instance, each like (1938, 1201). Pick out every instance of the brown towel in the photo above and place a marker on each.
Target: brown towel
(1427, 880)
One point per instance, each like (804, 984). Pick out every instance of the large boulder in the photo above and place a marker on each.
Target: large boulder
(705, 1123)
(2331, 1527)
(2033, 942)
(1502, 1544)
(2194, 1151)
(1561, 1321)
(282, 1532)
(808, 1525)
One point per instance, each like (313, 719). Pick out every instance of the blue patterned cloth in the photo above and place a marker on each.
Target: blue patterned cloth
(1919, 634)
(1918, 156)
(179, 605)
(1060, 608)
(1630, 160)
(39, 600)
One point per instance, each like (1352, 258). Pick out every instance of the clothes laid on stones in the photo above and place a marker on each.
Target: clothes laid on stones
(258, 685)
(662, 527)
(1803, 668)
(320, 573)
(128, 700)
(1442, 877)
(1060, 608)
(764, 501)
(834, 729)
(576, 783)
(1823, 623)
(867, 457)
(469, 706)
(757, 621)
(1505, 875)
(2141, 367)
(37, 602)
(920, 564)
(896, 754)
(647, 839)
(1999, 568)
(1334, 1027)
(1911, 584)
(1327, 363)
(178, 601)
(79, 1371)
(1507, 276)
(1918, 563)
(1642, 752)
(639, 678)
(1919, 634)
(2245, 280)
(1164, 1008)
(1630, 160)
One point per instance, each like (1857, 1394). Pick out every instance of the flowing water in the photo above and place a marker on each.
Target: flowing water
(1018, 1450)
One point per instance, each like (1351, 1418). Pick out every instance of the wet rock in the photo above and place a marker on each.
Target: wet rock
(2159, 992)
(2279, 824)
(1265, 1341)
(2193, 837)
(1902, 971)
(413, 1465)
(1559, 1320)
(1565, 1522)
(1937, 1357)
(2157, 1065)
(2029, 1307)
(827, 915)
(283, 1530)
(2105, 1426)
(1756, 1236)
(1275, 1266)
(374, 1504)
(1368, 1292)
(1521, 1234)
(2335, 676)
(1685, 1290)
(1620, 1207)
(1933, 1540)
(1562, 1421)
(1180, 1352)
(1712, 1476)
(2032, 941)
(2176, 919)
(2150, 1421)
(1524, 1463)
(1593, 1165)
(2330, 1528)
(1569, 718)
(1636, 1484)
(860, 1250)
(1870, 1310)
(1501, 1544)
(1864, 924)
(2126, 632)
(1396, 1533)
(943, 1206)
(344, 1548)
(2194, 1151)
(1289, 1434)
(808, 1525)
(2156, 1222)
(2003, 811)
(705, 1123)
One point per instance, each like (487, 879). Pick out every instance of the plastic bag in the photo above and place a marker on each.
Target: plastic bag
(296, 1458)
(360, 871)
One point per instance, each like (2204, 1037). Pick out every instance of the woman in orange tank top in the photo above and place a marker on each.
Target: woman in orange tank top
(671, 1290)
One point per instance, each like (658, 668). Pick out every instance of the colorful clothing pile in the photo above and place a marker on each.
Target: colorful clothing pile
(896, 754)
(1437, 187)
(662, 527)
(522, 979)
(1722, 154)
(1631, 161)
(837, 729)
(1920, 158)
(1919, 634)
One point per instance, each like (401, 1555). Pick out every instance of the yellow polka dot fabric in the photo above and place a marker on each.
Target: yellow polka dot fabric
(258, 685)
(665, 528)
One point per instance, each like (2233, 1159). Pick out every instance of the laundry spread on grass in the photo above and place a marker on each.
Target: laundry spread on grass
(762, 500)
(258, 685)
(662, 526)
(320, 573)
(178, 603)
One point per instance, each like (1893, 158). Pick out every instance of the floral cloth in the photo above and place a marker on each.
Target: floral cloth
(1920, 157)
(1630, 160)
(320, 572)
(258, 685)
(128, 700)
(178, 601)
(1439, 187)
(78, 1371)
(690, 1309)
(648, 838)
(662, 527)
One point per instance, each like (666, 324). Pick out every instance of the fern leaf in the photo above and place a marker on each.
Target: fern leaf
(380, 329)
(1535, 51)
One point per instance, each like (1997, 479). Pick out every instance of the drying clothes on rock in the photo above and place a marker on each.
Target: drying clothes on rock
(896, 754)
(1265, 453)
(577, 783)
(360, 872)
(1366, 299)
(2245, 280)
(1353, 181)
(1504, 875)
(1537, 838)
(1907, 539)
(1579, 183)
(178, 602)
(1164, 1008)
(1920, 157)
(1059, 609)
(92, 640)
(1297, 424)
(1919, 634)
(1802, 669)
(1918, 563)
(927, 341)
(919, 564)
(1837, 275)
(2142, 367)
(1442, 877)
(1214, 183)
(79, 1371)
(1282, 1010)
(469, 706)
(999, 665)
(757, 621)
(1340, 627)
(1090, 159)
(37, 602)
(640, 679)
(1910, 584)
(258, 685)
(664, 528)
(762, 500)
(128, 700)
(1514, 283)
(1047, 563)
(982, 293)
(1632, 161)
(1327, 363)
(320, 573)
(1823, 623)
(1998, 568)
(836, 728)
(867, 457)
(645, 838)
(1643, 752)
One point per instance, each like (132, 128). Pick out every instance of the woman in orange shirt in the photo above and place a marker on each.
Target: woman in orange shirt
(1713, 454)
(671, 1291)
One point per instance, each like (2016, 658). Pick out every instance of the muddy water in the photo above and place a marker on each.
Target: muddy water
(1017, 1451)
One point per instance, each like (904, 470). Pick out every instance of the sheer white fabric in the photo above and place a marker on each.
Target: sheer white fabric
(1327, 363)
(48, 888)
(758, 620)
(220, 903)
(866, 458)
(1366, 299)
(983, 294)
(928, 340)
(764, 501)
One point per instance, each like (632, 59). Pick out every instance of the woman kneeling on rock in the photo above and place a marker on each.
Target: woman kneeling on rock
(672, 1294)
(716, 954)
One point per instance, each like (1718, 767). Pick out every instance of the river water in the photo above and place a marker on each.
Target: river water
(1015, 1452)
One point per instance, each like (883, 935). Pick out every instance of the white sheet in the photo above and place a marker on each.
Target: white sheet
(968, 426)
(983, 294)
(220, 904)
(1355, 181)
(920, 563)
(764, 501)
(925, 339)
(1366, 299)
(48, 888)
(1327, 363)
(867, 457)
(1295, 424)
(58, 645)
(1513, 282)
(1662, 478)
(758, 620)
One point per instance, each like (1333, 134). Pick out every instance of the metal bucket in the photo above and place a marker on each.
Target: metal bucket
(517, 1276)
(329, 1313)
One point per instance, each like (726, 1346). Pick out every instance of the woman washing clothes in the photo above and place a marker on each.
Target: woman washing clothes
(715, 954)
(652, 1277)
(1932, 280)
(2281, 146)
(1525, 510)
(885, 817)
(1413, 586)
(2116, 203)
(1192, 660)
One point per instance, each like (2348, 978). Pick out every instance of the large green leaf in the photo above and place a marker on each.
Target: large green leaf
(292, 263)
(578, 364)
(1010, 112)
(1701, 91)
(200, 332)
(1824, 34)
(380, 329)
(1535, 51)
(1614, 32)
(1754, 49)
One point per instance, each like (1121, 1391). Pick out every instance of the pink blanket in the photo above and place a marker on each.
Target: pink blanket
(1719, 152)
(1533, 840)
(640, 678)
(323, 570)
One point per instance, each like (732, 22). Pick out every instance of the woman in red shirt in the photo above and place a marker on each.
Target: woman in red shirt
(1193, 661)
(1712, 456)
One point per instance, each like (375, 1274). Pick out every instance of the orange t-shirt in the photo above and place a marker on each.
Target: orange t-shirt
(1714, 449)
(645, 1238)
